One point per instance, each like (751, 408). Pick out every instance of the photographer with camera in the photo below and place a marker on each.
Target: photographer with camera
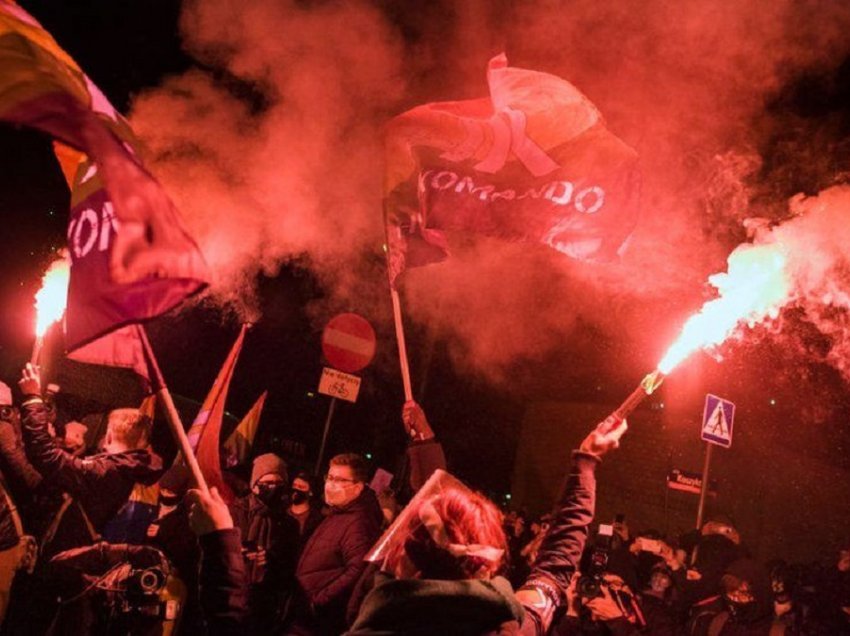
(600, 599)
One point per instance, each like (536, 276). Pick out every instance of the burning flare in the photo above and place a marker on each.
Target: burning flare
(51, 299)
(755, 287)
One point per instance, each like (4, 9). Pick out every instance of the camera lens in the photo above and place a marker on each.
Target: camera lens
(589, 587)
(151, 580)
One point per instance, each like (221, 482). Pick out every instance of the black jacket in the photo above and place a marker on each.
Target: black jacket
(332, 561)
(101, 484)
(224, 589)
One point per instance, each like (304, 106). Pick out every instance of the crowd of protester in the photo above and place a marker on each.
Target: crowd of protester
(293, 554)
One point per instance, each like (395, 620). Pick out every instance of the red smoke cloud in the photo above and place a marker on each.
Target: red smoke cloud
(295, 171)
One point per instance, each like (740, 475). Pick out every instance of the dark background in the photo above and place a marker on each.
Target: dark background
(128, 46)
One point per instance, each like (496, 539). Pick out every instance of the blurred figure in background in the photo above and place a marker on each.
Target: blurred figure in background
(303, 506)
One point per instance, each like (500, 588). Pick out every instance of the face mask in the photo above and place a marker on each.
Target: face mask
(299, 496)
(338, 494)
(269, 493)
(743, 612)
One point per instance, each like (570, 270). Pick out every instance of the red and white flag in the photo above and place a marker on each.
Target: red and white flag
(205, 433)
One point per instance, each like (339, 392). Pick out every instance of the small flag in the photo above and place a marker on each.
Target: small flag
(534, 162)
(237, 447)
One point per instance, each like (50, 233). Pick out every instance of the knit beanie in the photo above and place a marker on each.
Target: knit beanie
(266, 464)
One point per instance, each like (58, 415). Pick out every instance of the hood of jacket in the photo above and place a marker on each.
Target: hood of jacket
(413, 607)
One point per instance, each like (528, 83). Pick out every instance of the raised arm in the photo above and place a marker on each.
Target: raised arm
(223, 583)
(424, 452)
(560, 551)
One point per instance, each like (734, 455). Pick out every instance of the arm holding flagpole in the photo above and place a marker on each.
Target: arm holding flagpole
(172, 416)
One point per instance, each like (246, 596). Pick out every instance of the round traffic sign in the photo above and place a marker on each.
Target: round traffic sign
(348, 342)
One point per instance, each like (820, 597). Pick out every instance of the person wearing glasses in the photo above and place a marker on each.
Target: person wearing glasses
(332, 559)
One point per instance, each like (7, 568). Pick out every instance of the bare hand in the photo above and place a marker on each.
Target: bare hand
(669, 555)
(30, 382)
(415, 421)
(605, 437)
(208, 512)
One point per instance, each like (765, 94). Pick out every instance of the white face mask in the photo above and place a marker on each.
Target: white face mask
(337, 494)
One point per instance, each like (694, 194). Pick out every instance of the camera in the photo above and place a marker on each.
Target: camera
(591, 581)
(145, 582)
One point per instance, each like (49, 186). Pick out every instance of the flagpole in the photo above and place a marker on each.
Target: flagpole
(328, 419)
(172, 416)
(402, 347)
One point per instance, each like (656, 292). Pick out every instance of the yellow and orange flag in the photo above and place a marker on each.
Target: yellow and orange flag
(238, 445)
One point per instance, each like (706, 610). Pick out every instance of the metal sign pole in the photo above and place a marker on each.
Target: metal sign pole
(704, 489)
(325, 437)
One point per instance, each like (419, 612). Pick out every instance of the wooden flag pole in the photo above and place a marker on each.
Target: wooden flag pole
(172, 416)
(402, 347)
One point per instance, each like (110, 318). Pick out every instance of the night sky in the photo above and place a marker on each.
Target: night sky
(126, 47)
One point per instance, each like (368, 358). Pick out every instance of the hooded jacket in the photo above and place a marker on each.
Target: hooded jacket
(423, 607)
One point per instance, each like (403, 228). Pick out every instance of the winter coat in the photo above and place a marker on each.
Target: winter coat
(332, 561)
(758, 620)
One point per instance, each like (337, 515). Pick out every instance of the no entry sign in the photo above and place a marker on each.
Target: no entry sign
(348, 342)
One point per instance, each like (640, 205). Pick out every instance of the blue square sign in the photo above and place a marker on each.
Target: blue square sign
(717, 420)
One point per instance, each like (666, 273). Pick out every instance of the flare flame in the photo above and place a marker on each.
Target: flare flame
(51, 299)
(755, 287)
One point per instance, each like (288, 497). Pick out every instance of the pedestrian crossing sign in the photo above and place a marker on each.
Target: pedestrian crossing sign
(717, 419)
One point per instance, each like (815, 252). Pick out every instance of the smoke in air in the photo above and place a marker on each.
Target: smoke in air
(271, 149)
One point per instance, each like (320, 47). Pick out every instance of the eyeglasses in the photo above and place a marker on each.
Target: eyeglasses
(339, 480)
(7, 412)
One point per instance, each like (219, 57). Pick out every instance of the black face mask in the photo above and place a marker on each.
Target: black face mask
(743, 612)
(270, 494)
(299, 496)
